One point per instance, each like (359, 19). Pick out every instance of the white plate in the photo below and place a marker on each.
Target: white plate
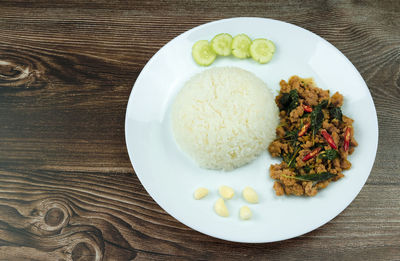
(170, 177)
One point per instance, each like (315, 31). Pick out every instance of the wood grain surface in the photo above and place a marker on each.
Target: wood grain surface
(67, 188)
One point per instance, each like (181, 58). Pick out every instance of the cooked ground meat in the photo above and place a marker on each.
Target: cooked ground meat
(278, 189)
(313, 139)
(337, 99)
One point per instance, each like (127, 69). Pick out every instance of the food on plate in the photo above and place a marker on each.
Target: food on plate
(314, 138)
(200, 193)
(220, 208)
(224, 118)
(245, 213)
(250, 195)
(241, 46)
(226, 192)
(221, 44)
(203, 53)
(262, 50)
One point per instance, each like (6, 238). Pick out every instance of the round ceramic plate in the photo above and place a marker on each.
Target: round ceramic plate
(171, 177)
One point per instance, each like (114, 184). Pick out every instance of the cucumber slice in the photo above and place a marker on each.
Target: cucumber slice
(202, 53)
(221, 44)
(240, 46)
(262, 50)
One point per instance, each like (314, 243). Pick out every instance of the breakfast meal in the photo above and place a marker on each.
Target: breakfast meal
(241, 46)
(224, 117)
(314, 138)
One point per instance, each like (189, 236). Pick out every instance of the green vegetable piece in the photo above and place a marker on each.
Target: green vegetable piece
(317, 117)
(221, 44)
(294, 100)
(289, 101)
(329, 155)
(324, 104)
(284, 100)
(202, 53)
(262, 50)
(289, 158)
(292, 136)
(313, 177)
(307, 169)
(241, 46)
(336, 113)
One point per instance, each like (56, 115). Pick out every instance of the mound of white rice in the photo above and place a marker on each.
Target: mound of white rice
(224, 117)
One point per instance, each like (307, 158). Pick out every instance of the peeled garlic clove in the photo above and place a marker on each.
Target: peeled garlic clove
(220, 208)
(245, 213)
(226, 192)
(200, 193)
(250, 195)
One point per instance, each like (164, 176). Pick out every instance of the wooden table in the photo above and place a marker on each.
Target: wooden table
(67, 188)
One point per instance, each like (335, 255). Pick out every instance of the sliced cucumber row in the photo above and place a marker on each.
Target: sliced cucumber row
(241, 46)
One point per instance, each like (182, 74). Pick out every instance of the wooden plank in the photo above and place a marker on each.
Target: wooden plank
(67, 188)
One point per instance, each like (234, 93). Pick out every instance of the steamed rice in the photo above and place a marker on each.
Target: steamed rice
(224, 117)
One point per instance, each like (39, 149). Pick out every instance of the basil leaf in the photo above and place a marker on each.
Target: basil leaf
(284, 100)
(307, 169)
(324, 104)
(294, 100)
(313, 177)
(292, 136)
(329, 155)
(289, 101)
(317, 117)
(290, 158)
(335, 113)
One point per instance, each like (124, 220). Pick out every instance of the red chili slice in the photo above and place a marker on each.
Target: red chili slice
(304, 129)
(346, 139)
(307, 108)
(328, 139)
(312, 154)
